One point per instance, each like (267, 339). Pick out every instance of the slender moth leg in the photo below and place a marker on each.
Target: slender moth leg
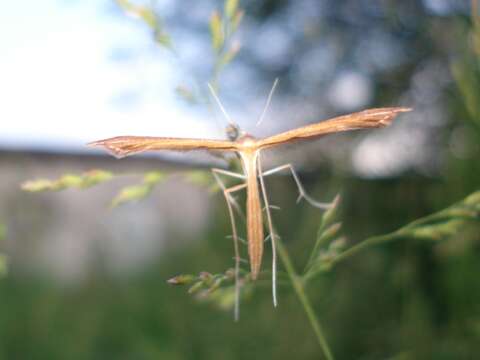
(229, 173)
(226, 193)
(301, 190)
(215, 173)
(271, 231)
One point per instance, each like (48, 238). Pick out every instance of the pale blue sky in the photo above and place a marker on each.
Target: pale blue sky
(73, 71)
(58, 82)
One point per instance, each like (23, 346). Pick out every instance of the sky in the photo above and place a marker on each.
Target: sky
(62, 84)
(76, 71)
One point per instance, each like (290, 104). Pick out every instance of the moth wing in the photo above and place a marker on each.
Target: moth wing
(371, 118)
(122, 146)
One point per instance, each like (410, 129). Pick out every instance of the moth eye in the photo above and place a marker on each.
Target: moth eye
(233, 132)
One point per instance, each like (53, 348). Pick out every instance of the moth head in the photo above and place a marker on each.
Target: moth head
(233, 131)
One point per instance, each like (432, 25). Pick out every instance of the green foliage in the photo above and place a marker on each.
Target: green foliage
(222, 27)
(329, 250)
(231, 7)
(441, 225)
(222, 30)
(215, 289)
(151, 19)
(228, 56)
(3, 265)
(128, 194)
(476, 28)
(83, 181)
(186, 94)
(467, 77)
(3, 258)
(330, 247)
(466, 69)
(140, 191)
(201, 178)
(327, 231)
(217, 32)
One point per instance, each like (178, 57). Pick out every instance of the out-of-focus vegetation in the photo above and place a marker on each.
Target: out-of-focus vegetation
(405, 299)
(3, 258)
(67, 181)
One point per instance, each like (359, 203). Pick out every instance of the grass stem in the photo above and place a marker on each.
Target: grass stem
(299, 288)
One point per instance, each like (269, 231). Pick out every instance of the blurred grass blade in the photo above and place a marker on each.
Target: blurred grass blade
(228, 56)
(150, 18)
(85, 180)
(195, 287)
(216, 31)
(163, 39)
(216, 289)
(201, 178)
(329, 216)
(230, 8)
(435, 227)
(437, 232)
(476, 27)
(151, 179)
(137, 11)
(236, 20)
(3, 258)
(131, 193)
(223, 298)
(186, 94)
(323, 239)
(466, 70)
(183, 279)
(3, 265)
(140, 191)
(468, 83)
(327, 230)
(473, 200)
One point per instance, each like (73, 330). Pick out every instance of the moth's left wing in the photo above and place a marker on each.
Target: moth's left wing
(372, 118)
(122, 146)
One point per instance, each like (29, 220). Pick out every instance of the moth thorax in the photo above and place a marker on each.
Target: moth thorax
(247, 140)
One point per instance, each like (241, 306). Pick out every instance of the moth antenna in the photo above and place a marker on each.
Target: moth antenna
(267, 104)
(219, 103)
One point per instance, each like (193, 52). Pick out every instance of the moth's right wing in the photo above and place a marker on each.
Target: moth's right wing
(122, 146)
(367, 119)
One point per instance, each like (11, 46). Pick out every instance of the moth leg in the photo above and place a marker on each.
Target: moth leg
(271, 230)
(229, 173)
(227, 194)
(215, 173)
(302, 193)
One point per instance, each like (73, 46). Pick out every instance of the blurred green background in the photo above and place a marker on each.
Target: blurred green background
(408, 299)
